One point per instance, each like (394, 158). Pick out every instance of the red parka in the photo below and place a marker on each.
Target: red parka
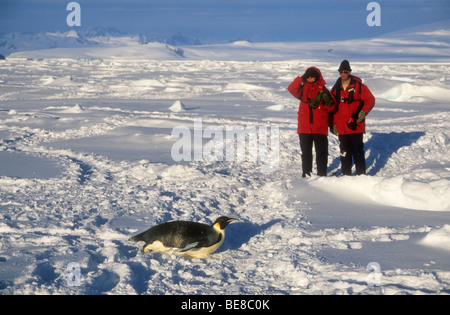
(348, 106)
(310, 121)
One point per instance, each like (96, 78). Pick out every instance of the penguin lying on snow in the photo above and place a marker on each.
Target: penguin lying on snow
(190, 239)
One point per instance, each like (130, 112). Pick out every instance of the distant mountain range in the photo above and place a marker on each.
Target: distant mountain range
(90, 37)
(427, 43)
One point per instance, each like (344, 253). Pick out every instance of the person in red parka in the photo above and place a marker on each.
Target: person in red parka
(315, 104)
(354, 103)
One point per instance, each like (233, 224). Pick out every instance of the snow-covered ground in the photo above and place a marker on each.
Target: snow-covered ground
(85, 151)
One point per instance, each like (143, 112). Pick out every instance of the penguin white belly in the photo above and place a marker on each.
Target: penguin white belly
(188, 251)
(202, 252)
(156, 246)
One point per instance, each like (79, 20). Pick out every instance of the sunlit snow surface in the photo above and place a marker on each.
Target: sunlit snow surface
(85, 151)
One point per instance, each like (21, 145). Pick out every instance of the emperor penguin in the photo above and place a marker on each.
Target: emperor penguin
(189, 239)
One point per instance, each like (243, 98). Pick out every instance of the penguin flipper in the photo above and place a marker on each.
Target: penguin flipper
(189, 246)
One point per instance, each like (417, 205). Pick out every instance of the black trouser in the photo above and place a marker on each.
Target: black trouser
(352, 149)
(321, 145)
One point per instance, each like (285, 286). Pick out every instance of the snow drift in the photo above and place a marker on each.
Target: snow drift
(392, 191)
(439, 238)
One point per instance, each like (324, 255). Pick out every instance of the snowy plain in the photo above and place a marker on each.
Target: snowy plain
(85, 151)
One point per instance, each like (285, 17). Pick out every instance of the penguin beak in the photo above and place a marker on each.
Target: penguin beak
(224, 223)
(229, 221)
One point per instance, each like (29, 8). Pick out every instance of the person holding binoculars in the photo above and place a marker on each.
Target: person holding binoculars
(316, 103)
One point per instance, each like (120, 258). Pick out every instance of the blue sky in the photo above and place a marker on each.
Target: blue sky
(220, 20)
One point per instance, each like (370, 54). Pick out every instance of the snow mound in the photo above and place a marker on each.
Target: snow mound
(62, 81)
(180, 171)
(276, 107)
(243, 87)
(147, 83)
(76, 109)
(414, 195)
(400, 91)
(178, 106)
(393, 191)
(439, 238)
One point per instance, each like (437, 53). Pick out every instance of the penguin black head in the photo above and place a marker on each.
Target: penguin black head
(222, 222)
